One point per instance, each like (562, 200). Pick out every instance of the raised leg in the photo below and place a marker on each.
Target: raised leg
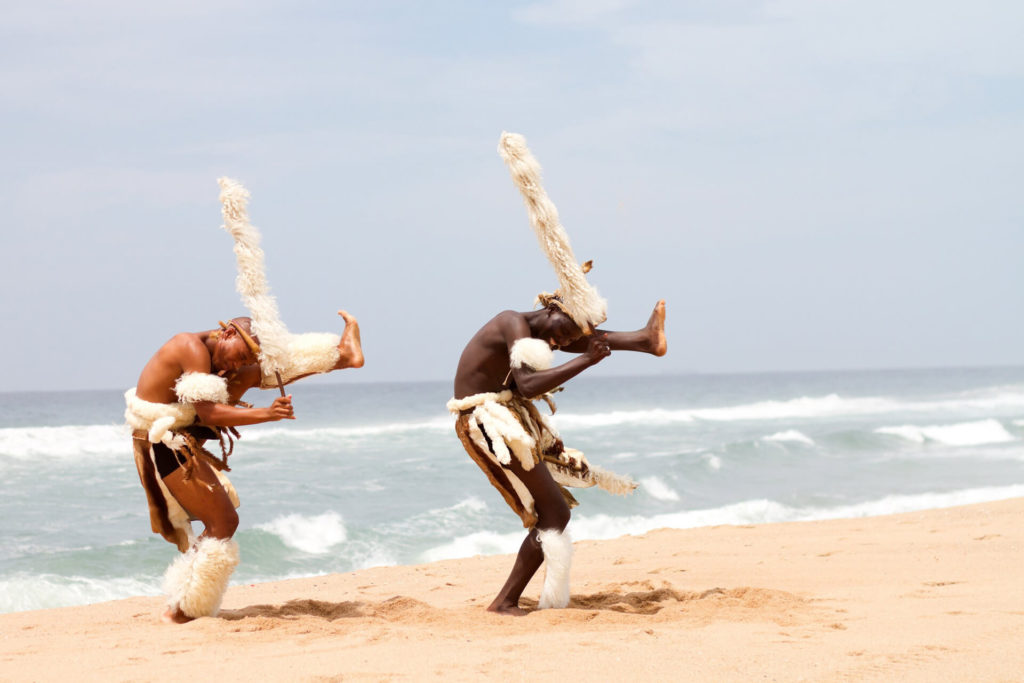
(648, 339)
(656, 330)
(351, 346)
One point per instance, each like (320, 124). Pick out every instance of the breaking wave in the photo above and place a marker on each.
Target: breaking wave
(974, 433)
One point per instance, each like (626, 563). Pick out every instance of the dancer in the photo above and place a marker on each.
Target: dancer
(190, 392)
(507, 365)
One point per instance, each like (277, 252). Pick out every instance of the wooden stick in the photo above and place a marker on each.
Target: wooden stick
(280, 384)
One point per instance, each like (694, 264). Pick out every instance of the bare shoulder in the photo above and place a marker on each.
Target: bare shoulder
(181, 353)
(510, 315)
(184, 342)
(496, 326)
(188, 349)
(512, 325)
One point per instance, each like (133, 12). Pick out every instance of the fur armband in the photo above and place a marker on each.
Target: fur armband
(193, 387)
(156, 418)
(533, 353)
(308, 354)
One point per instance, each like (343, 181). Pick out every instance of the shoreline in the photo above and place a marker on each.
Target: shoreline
(927, 595)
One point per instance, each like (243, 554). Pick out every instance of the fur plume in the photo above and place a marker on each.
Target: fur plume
(619, 484)
(196, 581)
(557, 548)
(580, 299)
(252, 279)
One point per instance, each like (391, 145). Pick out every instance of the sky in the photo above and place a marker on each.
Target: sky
(809, 185)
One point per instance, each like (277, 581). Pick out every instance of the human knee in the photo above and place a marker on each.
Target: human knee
(224, 525)
(554, 517)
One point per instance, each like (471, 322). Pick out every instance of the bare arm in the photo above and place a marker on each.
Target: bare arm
(195, 358)
(222, 415)
(530, 382)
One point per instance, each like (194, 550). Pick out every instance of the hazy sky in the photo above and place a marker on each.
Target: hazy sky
(810, 185)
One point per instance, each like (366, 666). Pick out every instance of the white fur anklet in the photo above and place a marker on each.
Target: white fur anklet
(196, 582)
(557, 549)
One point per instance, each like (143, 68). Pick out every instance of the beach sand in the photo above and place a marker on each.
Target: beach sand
(925, 596)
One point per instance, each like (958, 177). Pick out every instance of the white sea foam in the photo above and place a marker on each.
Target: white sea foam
(961, 434)
(372, 556)
(478, 543)
(112, 440)
(20, 592)
(805, 407)
(72, 441)
(658, 489)
(335, 434)
(75, 441)
(767, 511)
(761, 511)
(792, 435)
(315, 534)
(438, 520)
(654, 416)
(895, 504)
(713, 461)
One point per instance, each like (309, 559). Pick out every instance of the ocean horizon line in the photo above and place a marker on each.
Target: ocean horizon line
(333, 380)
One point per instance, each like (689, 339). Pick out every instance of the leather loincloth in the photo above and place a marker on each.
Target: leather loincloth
(496, 427)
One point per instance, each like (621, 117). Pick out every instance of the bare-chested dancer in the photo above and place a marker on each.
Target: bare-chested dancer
(507, 363)
(190, 391)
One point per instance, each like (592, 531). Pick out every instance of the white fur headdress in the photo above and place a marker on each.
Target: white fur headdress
(252, 279)
(577, 296)
(283, 355)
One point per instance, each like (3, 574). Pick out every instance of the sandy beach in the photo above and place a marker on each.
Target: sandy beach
(924, 596)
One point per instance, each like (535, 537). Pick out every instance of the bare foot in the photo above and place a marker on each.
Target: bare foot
(656, 329)
(511, 610)
(174, 615)
(350, 346)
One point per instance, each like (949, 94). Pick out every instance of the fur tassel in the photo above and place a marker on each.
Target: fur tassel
(581, 300)
(457, 405)
(557, 549)
(252, 279)
(611, 482)
(156, 418)
(533, 353)
(160, 428)
(200, 386)
(196, 581)
(506, 434)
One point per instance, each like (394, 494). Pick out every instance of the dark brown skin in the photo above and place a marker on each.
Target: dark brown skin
(483, 367)
(224, 353)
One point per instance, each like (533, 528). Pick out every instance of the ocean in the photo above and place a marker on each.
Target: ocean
(373, 474)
